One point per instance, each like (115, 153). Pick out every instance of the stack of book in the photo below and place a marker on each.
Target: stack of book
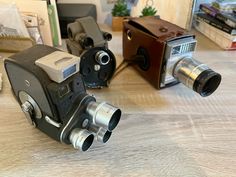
(217, 21)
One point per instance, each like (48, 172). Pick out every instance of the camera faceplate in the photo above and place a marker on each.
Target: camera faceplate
(175, 50)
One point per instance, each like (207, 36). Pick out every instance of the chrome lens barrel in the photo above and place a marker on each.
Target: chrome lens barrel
(197, 76)
(102, 57)
(102, 135)
(104, 114)
(107, 36)
(81, 139)
(102, 119)
(84, 40)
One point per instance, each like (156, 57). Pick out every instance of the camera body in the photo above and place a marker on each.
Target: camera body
(163, 54)
(98, 63)
(51, 92)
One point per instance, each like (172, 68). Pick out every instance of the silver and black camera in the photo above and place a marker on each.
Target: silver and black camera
(86, 40)
(51, 92)
(163, 54)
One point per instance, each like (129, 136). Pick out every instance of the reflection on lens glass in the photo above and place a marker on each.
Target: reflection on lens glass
(114, 120)
(107, 136)
(87, 143)
(207, 82)
(102, 57)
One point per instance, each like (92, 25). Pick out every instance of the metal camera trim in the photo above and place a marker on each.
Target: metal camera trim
(99, 57)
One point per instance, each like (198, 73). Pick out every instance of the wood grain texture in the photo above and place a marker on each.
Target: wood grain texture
(168, 133)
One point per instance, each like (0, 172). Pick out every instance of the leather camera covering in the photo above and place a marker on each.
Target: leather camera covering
(148, 36)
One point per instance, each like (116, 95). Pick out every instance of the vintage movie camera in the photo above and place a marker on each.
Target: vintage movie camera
(51, 92)
(162, 53)
(86, 40)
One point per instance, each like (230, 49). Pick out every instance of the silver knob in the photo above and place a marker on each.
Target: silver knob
(28, 109)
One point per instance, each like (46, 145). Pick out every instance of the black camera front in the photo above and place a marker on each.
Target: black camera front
(98, 63)
(51, 92)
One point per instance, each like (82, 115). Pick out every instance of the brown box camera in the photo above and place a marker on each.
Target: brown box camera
(162, 53)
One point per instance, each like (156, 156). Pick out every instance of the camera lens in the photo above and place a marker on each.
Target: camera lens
(81, 139)
(106, 136)
(84, 40)
(114, 119)
(87, 42)
(87, 143)
(104, 115)
(107, 36)
(102, 57)
(207, 82)
(102, 135)
(196, 76)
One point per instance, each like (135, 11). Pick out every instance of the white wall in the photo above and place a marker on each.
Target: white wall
(175, 11)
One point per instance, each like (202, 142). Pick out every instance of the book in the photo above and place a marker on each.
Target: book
(52, 20)
(54, 4)
(216, 23)
(225, 5)
(225, 2)
(221, 38)
(207, 8)
(227, 18)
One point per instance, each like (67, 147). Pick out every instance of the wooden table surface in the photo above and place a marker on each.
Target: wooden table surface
(173, 132)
